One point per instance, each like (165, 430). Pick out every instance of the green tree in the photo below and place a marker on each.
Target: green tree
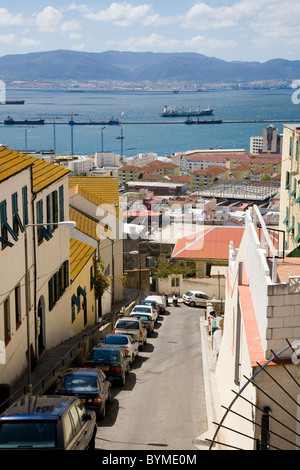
(165, 268)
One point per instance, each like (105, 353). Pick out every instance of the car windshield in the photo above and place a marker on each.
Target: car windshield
(114, 339)
(128, 325)
(78, 383)
(141, 309)
(27, 434)
(151, 303)
(105, 355)
(142, 317)
(189, 293)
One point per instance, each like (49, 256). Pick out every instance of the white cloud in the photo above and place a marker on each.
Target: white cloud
(25, 42)
(78, 47)
(205, 43)
(125, 14)
(277, 24)
(49, 19)
(70, 26)
(7, 38)
(153, 41)
(7, 19)
(204, 17)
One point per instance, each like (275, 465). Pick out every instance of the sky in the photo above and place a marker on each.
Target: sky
(242, 30)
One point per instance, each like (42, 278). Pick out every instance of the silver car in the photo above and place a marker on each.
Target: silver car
(196, 298)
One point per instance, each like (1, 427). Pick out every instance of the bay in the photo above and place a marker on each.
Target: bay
(136, 106)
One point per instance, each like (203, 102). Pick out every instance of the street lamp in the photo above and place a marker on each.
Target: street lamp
(67, 224)
(133, 252)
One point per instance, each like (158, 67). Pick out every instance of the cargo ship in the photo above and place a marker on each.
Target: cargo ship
(110, 122)
(12, 102)
(172, 111)
(10, 121)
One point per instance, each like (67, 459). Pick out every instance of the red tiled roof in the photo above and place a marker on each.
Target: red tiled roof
(211, 170)
(210, 243)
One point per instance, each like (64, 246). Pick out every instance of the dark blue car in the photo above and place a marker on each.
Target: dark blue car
(112, 361)
(47, 423)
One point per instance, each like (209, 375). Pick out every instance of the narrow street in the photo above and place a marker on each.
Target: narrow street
(162, 406)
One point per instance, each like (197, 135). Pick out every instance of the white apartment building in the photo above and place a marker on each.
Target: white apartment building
(256, 144)
(142, 159)
(81, 165)
(32, 192)
(106, 159)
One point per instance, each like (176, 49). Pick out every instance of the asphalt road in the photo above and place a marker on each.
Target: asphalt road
(162, 406)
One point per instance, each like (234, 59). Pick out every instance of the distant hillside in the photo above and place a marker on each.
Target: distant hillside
(140, 66)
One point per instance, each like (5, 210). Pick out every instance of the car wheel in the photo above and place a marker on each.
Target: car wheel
(92, 443)
(192, 304)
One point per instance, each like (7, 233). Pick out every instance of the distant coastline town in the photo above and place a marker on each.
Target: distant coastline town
(173, 86)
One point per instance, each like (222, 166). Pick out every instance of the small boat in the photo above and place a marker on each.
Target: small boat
(12, 102)
(110, 122)
(10, 121)
(204, 121)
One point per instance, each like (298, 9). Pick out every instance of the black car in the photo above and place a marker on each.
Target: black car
(90, 385)
(112, 361)
(47, 423)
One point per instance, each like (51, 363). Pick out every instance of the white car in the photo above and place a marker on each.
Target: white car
(160, 300)
(145, 310)
(196, 298)
(130, 345)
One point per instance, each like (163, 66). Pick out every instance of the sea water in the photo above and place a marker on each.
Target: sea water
(56, 106)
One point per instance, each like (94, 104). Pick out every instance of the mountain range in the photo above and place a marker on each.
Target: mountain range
(140, 66)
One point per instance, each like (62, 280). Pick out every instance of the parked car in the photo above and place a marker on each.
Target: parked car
(90, 385)
(146, 309)
(130, 345)
(148, 322)
(112, 361)
(160, 300)
(153, 304)
(196, 298)
(133, 327)
(47, 423)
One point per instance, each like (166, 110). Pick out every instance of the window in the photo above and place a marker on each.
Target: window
(61, 204)
(286, 220)
(52, 210)
(291, 146)
(6, 320)
(5, 227)
(16, 221)
(39, 219)
(287, 180)
(25, 205)
(18, 305)
(58, 284)
(3, 219)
